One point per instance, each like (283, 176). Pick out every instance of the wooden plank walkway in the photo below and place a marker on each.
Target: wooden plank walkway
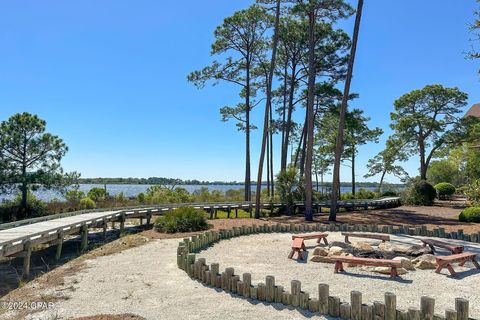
(17, 239)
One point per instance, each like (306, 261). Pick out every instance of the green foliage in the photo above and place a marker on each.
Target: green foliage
(442, 171)
(87, 203)
(419, 192)
(389, 193)
(431, 124)
(471, 214)
(98, 194)
(10, 208)
(185, 219)
(360, 194)
(159, 195)
(444, 189)
(290, 187)
(141, 197)
(74, 196)
(29, 157)
(473, 192)
(120, 197)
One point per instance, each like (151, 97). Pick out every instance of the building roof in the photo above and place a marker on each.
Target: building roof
(474, 111)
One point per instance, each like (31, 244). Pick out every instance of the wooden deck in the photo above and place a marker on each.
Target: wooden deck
(17, 238)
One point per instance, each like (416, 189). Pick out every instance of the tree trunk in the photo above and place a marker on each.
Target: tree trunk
(284, 151)
(288, 125)
(267, 109)
(310, 120)
(272, 180)
(343, 110)
(423, 167)
(304, 146)
(268, 168)
(248, 189)
(380, 187)
(353, 173)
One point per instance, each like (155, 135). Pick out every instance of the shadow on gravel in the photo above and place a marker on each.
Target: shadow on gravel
(43, 258)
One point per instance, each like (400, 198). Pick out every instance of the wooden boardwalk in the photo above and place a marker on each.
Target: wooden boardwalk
(18, 239)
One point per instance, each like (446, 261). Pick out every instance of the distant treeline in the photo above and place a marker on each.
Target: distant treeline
(171, 181)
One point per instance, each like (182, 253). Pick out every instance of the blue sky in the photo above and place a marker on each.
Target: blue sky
(109, 77)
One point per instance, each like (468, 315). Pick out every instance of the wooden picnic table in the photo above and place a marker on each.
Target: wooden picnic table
(298, 246)
(446, 261)
(432, 243)
(393, 264)
(307, 236)
(382, 237)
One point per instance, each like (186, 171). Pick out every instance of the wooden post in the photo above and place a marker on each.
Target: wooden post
(247, 283)
(402, 315)
(378, 310)
(27, 247)
(390, 306)
(278, 294)
(59, 246)
(461, 305)
(450, 314)
(427, 308)
(214, 268)
(261, 292)
(323, 294)
(122, 222)
(367, 312)
(270, 290)
(356, 305)
(149, 218)
(104, 231)
(345, 311)
(413, 314)
(296, 288)
(84, 233)
(334, 306)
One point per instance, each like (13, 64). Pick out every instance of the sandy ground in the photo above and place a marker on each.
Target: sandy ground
(266, 254)
(146, 281)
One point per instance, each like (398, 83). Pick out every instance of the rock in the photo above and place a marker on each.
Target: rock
(426, 261)
(340, 244)
(336, 251)
(321, 259)
(400, 249)
(319, 251)
(386, 270)
(386, 246)
(417, 250)
(406, 263)
(362, 246)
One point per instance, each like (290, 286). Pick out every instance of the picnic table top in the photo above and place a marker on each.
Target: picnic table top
(310, 235)
(366, 260)
(365, 235)
(457, 256)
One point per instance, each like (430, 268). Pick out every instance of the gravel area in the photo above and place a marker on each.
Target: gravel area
(266, 254)
(145, 281)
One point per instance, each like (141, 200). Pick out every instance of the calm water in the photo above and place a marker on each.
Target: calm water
(131, 190)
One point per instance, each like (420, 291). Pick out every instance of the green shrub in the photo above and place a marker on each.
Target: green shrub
(74, 196)
(471, 214)
(461, 190)
(87, 203)
(419, 192)
(389, 194)
(185, 219)
(347, 196)
(366, 194)
(141, 197)
(290, 188)
(473, 192)
(98, 194)
(444, 190)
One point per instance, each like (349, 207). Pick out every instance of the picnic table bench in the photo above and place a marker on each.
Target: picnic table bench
(446, 261)
(382, 237)
(393, 264)
(432, 243)
(307, 236)
(298, 246)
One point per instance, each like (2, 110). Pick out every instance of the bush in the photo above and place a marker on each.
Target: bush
(470, 215)
(185, 219)
(365, 194)
(444, 190)
(419, 192)
(141, 197)
(74, 196)
(97, 194)
(473, 192)
(389, 194)
(461, 190)
(87, 203)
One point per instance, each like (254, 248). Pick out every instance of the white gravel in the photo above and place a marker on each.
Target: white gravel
(146, 281)
(266, 254)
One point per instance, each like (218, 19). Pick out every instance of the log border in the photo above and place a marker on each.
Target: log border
(323, 302)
